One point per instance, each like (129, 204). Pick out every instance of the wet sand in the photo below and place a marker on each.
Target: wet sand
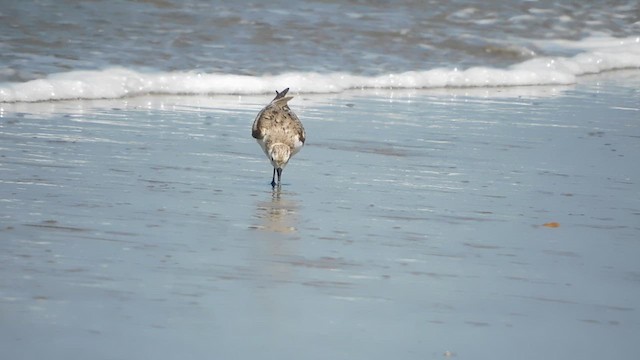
(471, 224)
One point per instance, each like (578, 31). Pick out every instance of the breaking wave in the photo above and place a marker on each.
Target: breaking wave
(594, 55)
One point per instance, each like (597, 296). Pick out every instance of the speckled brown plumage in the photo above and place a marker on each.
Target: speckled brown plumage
(279, 132)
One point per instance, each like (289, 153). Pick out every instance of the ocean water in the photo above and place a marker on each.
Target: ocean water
(439, 210)
(98, 49)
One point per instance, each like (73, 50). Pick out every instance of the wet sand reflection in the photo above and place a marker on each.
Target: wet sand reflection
(277, 229)
(279, 213)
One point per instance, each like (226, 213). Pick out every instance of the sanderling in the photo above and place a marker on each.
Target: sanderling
(279, 133)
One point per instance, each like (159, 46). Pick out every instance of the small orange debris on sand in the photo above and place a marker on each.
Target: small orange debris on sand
(552, 224)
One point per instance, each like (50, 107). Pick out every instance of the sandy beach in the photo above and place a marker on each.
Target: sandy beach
(419, 224)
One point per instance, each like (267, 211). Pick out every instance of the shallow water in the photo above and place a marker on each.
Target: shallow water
(53, 50)
(412, 225)
(48, 36)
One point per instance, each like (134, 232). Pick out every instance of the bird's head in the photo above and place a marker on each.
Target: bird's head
(279, 155)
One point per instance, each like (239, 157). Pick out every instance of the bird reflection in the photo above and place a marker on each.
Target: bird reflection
(277, 238)
(279, 213)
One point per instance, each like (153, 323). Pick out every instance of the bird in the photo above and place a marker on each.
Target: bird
(279, 133)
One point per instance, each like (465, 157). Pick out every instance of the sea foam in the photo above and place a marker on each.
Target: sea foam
(595, 55)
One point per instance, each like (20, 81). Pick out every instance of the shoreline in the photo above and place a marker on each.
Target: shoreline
(612, 77)
(413, 222)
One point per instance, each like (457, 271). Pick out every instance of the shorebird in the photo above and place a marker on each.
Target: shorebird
(279, 133)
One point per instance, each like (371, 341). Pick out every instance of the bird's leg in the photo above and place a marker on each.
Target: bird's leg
(279, 174)
(273, 179)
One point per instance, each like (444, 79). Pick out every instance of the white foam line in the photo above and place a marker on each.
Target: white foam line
(624, 108)
(28, 183)
(600, 54)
